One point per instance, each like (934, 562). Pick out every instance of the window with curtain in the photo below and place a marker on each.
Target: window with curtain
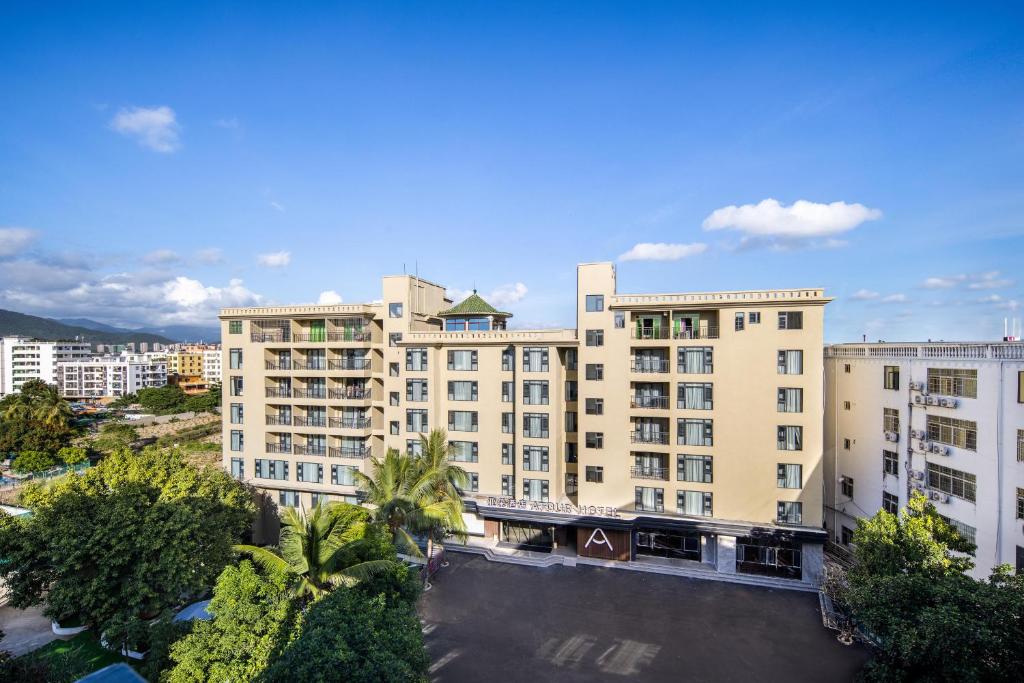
(508, 359)
(535, 392)
(789, 512)
(309, 472)
(694, 432)
(464, 451)
(535, 489)
(237, 439)
(791, 362)
(235, 359)
(462, 360)
(416, 420)
(790, 476)
(238, 468)
(416, 359)
(535, 458)
(462, 420)
(414, 447)
(694, 468)
(237, 413)
(462, 391)
(695, 503)
(415, 390)
(790, 438)
(535, 425)
(535, 359)
(695, 396)
(791, 400)
(696, 360)
(649, 499)
(506, 392)
(343, 475)
(507, 423)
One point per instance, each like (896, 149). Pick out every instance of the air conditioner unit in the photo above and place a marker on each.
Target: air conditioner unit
(892, 436)
(916, 474)
(917, 486)
(934, 495)
(916, 386)
(922, 445)
(944, 450)
(919, 400)
(917, 433)
(930, 400)
(949, 402)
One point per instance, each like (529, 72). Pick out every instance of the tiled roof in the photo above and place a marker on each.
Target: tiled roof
(474, 305)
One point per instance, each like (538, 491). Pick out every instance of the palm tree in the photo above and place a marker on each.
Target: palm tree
(417, 494)
(319, 549)
(40, 402)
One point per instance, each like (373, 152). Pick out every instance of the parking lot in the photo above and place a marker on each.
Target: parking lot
(489, 621)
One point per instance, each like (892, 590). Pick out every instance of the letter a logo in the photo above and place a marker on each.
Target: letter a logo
(602, 540)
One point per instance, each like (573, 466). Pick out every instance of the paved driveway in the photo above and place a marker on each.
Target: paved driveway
(499, 623)
(24, 629)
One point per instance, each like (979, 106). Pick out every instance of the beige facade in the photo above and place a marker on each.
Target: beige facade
(656, 422)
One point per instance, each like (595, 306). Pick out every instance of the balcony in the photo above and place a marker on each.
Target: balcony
(349, 452)
(315, 365)
(276, 392)
(656, 402)
(271, 336)
(350, 422)
(660, 473)
(649, 437)
(301, 449)
(349, 336)
(349, 364)
(315, 337)
(349, 393)
(282, 420)
(650, 333)
(650, 366)
(709, 332)
(286, 365)
(309, 393)
(310, 421)
(279, 448)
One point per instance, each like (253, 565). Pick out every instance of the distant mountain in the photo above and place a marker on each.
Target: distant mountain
(179, 333)
(14, 323)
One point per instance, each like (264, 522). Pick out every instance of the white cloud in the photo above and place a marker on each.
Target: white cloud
(990, 280)
(662, 251)
(275, 259)
(13, 240)
(943, 282)
(769, 221)
(329, 297)
(864, 295)
(990, 299)
(156, 127)
(210, 255)
(277, 206)
(161, 257)
(501, 296)
(894, 299)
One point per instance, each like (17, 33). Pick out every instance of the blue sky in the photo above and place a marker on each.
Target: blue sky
(156, 164)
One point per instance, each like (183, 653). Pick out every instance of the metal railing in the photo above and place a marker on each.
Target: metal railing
(649, 473)
(709, 332)
(309, 393)
(275, 392)
(350, 393)
(319, 365)
(359, 336)
(310, 421)
(278, 420)
(271, 365)
(649, 437)
(649, 402)
(349, 451)
(271, 337)
(650, 366)
(350, 422)
(650, 333)
(310, 450)
(349, 364)
(278, 448)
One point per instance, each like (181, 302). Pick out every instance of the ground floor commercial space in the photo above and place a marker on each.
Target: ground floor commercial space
(726, 547)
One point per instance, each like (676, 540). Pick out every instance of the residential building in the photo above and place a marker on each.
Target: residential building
(945, 419)
(212, 365)
(185, 363)
(685, 427)
(108, 376)
(23, 359)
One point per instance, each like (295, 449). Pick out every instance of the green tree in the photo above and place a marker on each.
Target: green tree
(205, 402)
(33, 461)
(72, 455)
(162, 400)
(909, 587)
(321, 549)
(417, 495)
(368, 637)
(115, 436)
(125, 539)
(254, 618)
(34, 419)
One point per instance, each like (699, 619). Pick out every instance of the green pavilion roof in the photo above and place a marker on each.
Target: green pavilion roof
(474, 305)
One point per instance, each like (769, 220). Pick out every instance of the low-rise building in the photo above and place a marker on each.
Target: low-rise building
(212, 365)
(105, 377)
(945, 419)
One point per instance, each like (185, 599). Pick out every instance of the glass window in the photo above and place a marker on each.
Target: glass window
(595, 371)
(790, 438)
(694, 396)
(571, 390)
(415, 390)
(791, 320)
(237, 413)
(238, 468)
(649, 499)
(535, 425)
(288, 498)
(395, 310)
(535, 489)
(462, 391)
(416, 359)
(954, 432)
(789, 512)
(571, 452)
(414, 446)
(694, 468)
(570, 421)
(507, 422)
(343, 475)
(535, 458)
(394, 338)
(620, 319)
(416, 420)
(891, 374)
(694, 432)
(891, 420)
(791, 362)
(595, 303)
(393, 369)
(506, 454)
(506, 485)
(740, 320)
(594, 439)
(754, 318)
(462, 360)
(954, 482)
(535, 359)
(464, 451)
(463, 421)
(571, 359)
(235, 386)
(595, 406)
(890, 463)
(695, 360)
(595, 474)
(535, 392)
(506, 392)
(695, 503)
(309, 472)
(235, 359)
(508, 359)
(890, 503)
(953, 382)
(472, 482)
(237, 440)
(393, 427)
(234, 327)
(791, 400)
(595, 337)
(790, 476)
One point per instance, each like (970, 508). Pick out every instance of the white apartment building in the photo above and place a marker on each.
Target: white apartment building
(23, 359)
(212, 365)
(109, 376)
(946, 419)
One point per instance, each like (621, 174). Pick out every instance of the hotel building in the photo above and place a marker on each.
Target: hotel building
(685, 427)
(945, 419)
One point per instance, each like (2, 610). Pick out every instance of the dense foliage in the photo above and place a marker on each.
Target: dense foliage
(909, 588)
(115, 436)
(33, 461)
(72, 455)
(34, 419)
(128, 538)
(170, 399)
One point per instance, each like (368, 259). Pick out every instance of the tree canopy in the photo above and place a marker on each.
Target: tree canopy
(34, 419)
(128, 537)
(33, 461)
(909, 588)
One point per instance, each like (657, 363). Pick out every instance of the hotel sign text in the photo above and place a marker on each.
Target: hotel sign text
(564, 508)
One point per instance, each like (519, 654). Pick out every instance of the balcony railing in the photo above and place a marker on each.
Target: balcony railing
(279, 420)
(278, 448)
(286, 365)
(349, 364)
(649, 473)
(649, 437)
(650, 402)
(316, 365)
(349, 452)
(274, 336)
(710, 332)
(276, 392)
(650, 333)
(572, 489)
(309, 393)
(647, 366)
(352, 336)
(350, 422)
(301, 449)
(310, 421)
(350, 393)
